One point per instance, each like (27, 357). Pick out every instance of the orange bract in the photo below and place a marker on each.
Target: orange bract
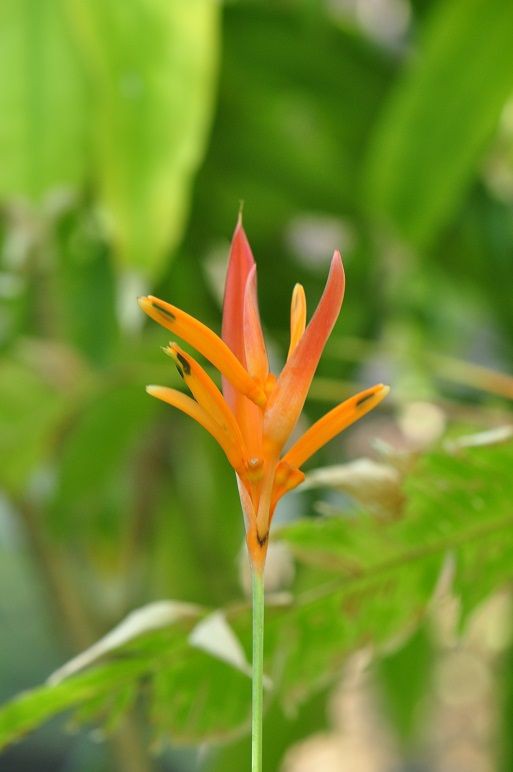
(256, 413)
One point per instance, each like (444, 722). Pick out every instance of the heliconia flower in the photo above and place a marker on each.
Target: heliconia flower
(256, 413)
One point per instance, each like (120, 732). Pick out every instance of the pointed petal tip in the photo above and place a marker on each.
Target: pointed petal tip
(374, 394)
(380, 390)
(239, 263)
(148, 300)
(239, 234)
(337, 270)
(159, 310)
(287, 399)
(337, 263)
(297, 317)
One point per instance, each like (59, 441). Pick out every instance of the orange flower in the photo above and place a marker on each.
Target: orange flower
(256, 413)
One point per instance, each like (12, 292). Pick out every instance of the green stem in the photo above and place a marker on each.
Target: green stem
(258, 671)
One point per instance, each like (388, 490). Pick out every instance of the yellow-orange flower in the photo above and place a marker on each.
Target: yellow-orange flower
(255, 414)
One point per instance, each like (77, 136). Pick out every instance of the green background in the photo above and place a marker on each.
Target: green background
(129, 134)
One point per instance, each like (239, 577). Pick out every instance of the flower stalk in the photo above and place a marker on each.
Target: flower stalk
(257, 702)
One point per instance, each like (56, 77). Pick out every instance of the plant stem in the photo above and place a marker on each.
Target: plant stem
(258, 670)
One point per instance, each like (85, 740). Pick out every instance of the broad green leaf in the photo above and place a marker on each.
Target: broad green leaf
(42, 100)
(441, 116)
(152, 67)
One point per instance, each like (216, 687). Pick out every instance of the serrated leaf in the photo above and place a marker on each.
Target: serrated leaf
(441, 116)
(33, 707)
(464, 497)
(107, 710)
(457, 504)
(359, 583)
(182, 686)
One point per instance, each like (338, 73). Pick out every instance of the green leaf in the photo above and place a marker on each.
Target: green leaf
(32, 708)
(31, 410)
(457, 510)
(360, 581)
(42, 100)
(441, 116)
(152, 67)
(472, 488)
(182, 684)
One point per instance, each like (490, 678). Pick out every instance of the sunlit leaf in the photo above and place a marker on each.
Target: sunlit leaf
(42, 102)
(152, 66)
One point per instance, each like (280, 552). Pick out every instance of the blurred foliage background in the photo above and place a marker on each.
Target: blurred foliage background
(130, 132)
